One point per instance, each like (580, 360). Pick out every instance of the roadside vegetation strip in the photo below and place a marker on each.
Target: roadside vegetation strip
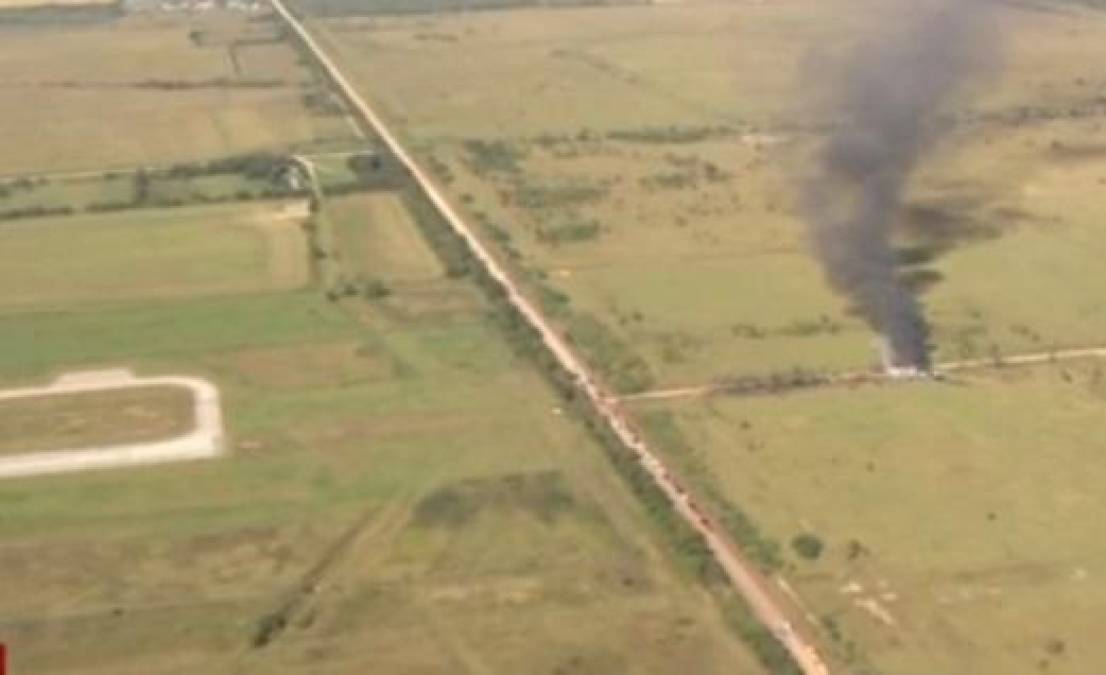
(204, 440)
(783, 382)
(602, 412)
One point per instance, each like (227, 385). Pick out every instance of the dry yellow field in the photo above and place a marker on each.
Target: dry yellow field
(141, 90)
(959, 519)
(710, 276)
(11, 4)
(640, 167)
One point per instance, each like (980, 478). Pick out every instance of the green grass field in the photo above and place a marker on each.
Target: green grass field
(144, 253)
(381, 509)
(958, 518)
(380, 241)
(485, 538)
(187, 560)
(640, 172)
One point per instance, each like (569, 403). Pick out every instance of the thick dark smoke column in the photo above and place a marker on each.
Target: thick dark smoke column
(886, 111)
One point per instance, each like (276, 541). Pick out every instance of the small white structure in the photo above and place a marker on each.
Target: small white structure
(895, 370)
(204, 441)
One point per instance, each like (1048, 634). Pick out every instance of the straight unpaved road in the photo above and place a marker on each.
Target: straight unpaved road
(769, 608)
(1027, 359)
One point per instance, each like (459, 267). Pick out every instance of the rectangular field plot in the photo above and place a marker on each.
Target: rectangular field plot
(960, 520)
(59, 262)
(380, 240)
(142, 91)
(98, 418)
(572, 69)
(661, 66)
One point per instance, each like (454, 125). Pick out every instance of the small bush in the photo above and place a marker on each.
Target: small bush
(571, 231)
(375, 289)
(807, 546)
(493, 156)
(542, 495)
(558, 196)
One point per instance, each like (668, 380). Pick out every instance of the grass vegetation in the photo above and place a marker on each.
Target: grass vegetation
(152, 90)
(71, 421)
(373, 462)
(36, 14)
(65, 261)
(9, 4)
(261, 175)
(685, 128)
(380, 241)
(692, 552)
(694, 180)
(939, 526)
(392, 7)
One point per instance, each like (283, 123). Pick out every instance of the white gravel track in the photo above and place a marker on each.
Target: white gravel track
(206, 439)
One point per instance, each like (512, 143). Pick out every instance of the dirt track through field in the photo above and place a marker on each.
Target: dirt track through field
(204, 441)
(770, 608)
(1027, 359)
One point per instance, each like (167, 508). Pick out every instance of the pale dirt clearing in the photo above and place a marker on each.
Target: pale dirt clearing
(204, 441)
(93, 418)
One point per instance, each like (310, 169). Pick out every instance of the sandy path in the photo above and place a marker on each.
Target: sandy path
(1027, 359)
(206, 439)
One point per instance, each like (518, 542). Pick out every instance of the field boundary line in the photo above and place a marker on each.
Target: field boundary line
(765, 606)
(872, 376)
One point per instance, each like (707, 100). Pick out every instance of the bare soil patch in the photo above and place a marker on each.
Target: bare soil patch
(91, 418)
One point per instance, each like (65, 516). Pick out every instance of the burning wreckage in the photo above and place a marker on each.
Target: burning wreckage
(886, 112)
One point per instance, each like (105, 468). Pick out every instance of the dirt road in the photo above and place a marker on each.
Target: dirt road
(1027, 359)
(767, 607)
(204, 441)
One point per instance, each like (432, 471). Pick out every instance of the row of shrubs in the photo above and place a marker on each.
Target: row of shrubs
(670, 134)
(196, 198)
(766, 553)
(39, 211)
(35, 212)
(601, 348)
(256, 165)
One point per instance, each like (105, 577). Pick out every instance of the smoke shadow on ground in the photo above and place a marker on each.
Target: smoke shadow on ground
(1084, 152)
(926, 230)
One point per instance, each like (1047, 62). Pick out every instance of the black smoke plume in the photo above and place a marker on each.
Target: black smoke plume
(885, 108)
